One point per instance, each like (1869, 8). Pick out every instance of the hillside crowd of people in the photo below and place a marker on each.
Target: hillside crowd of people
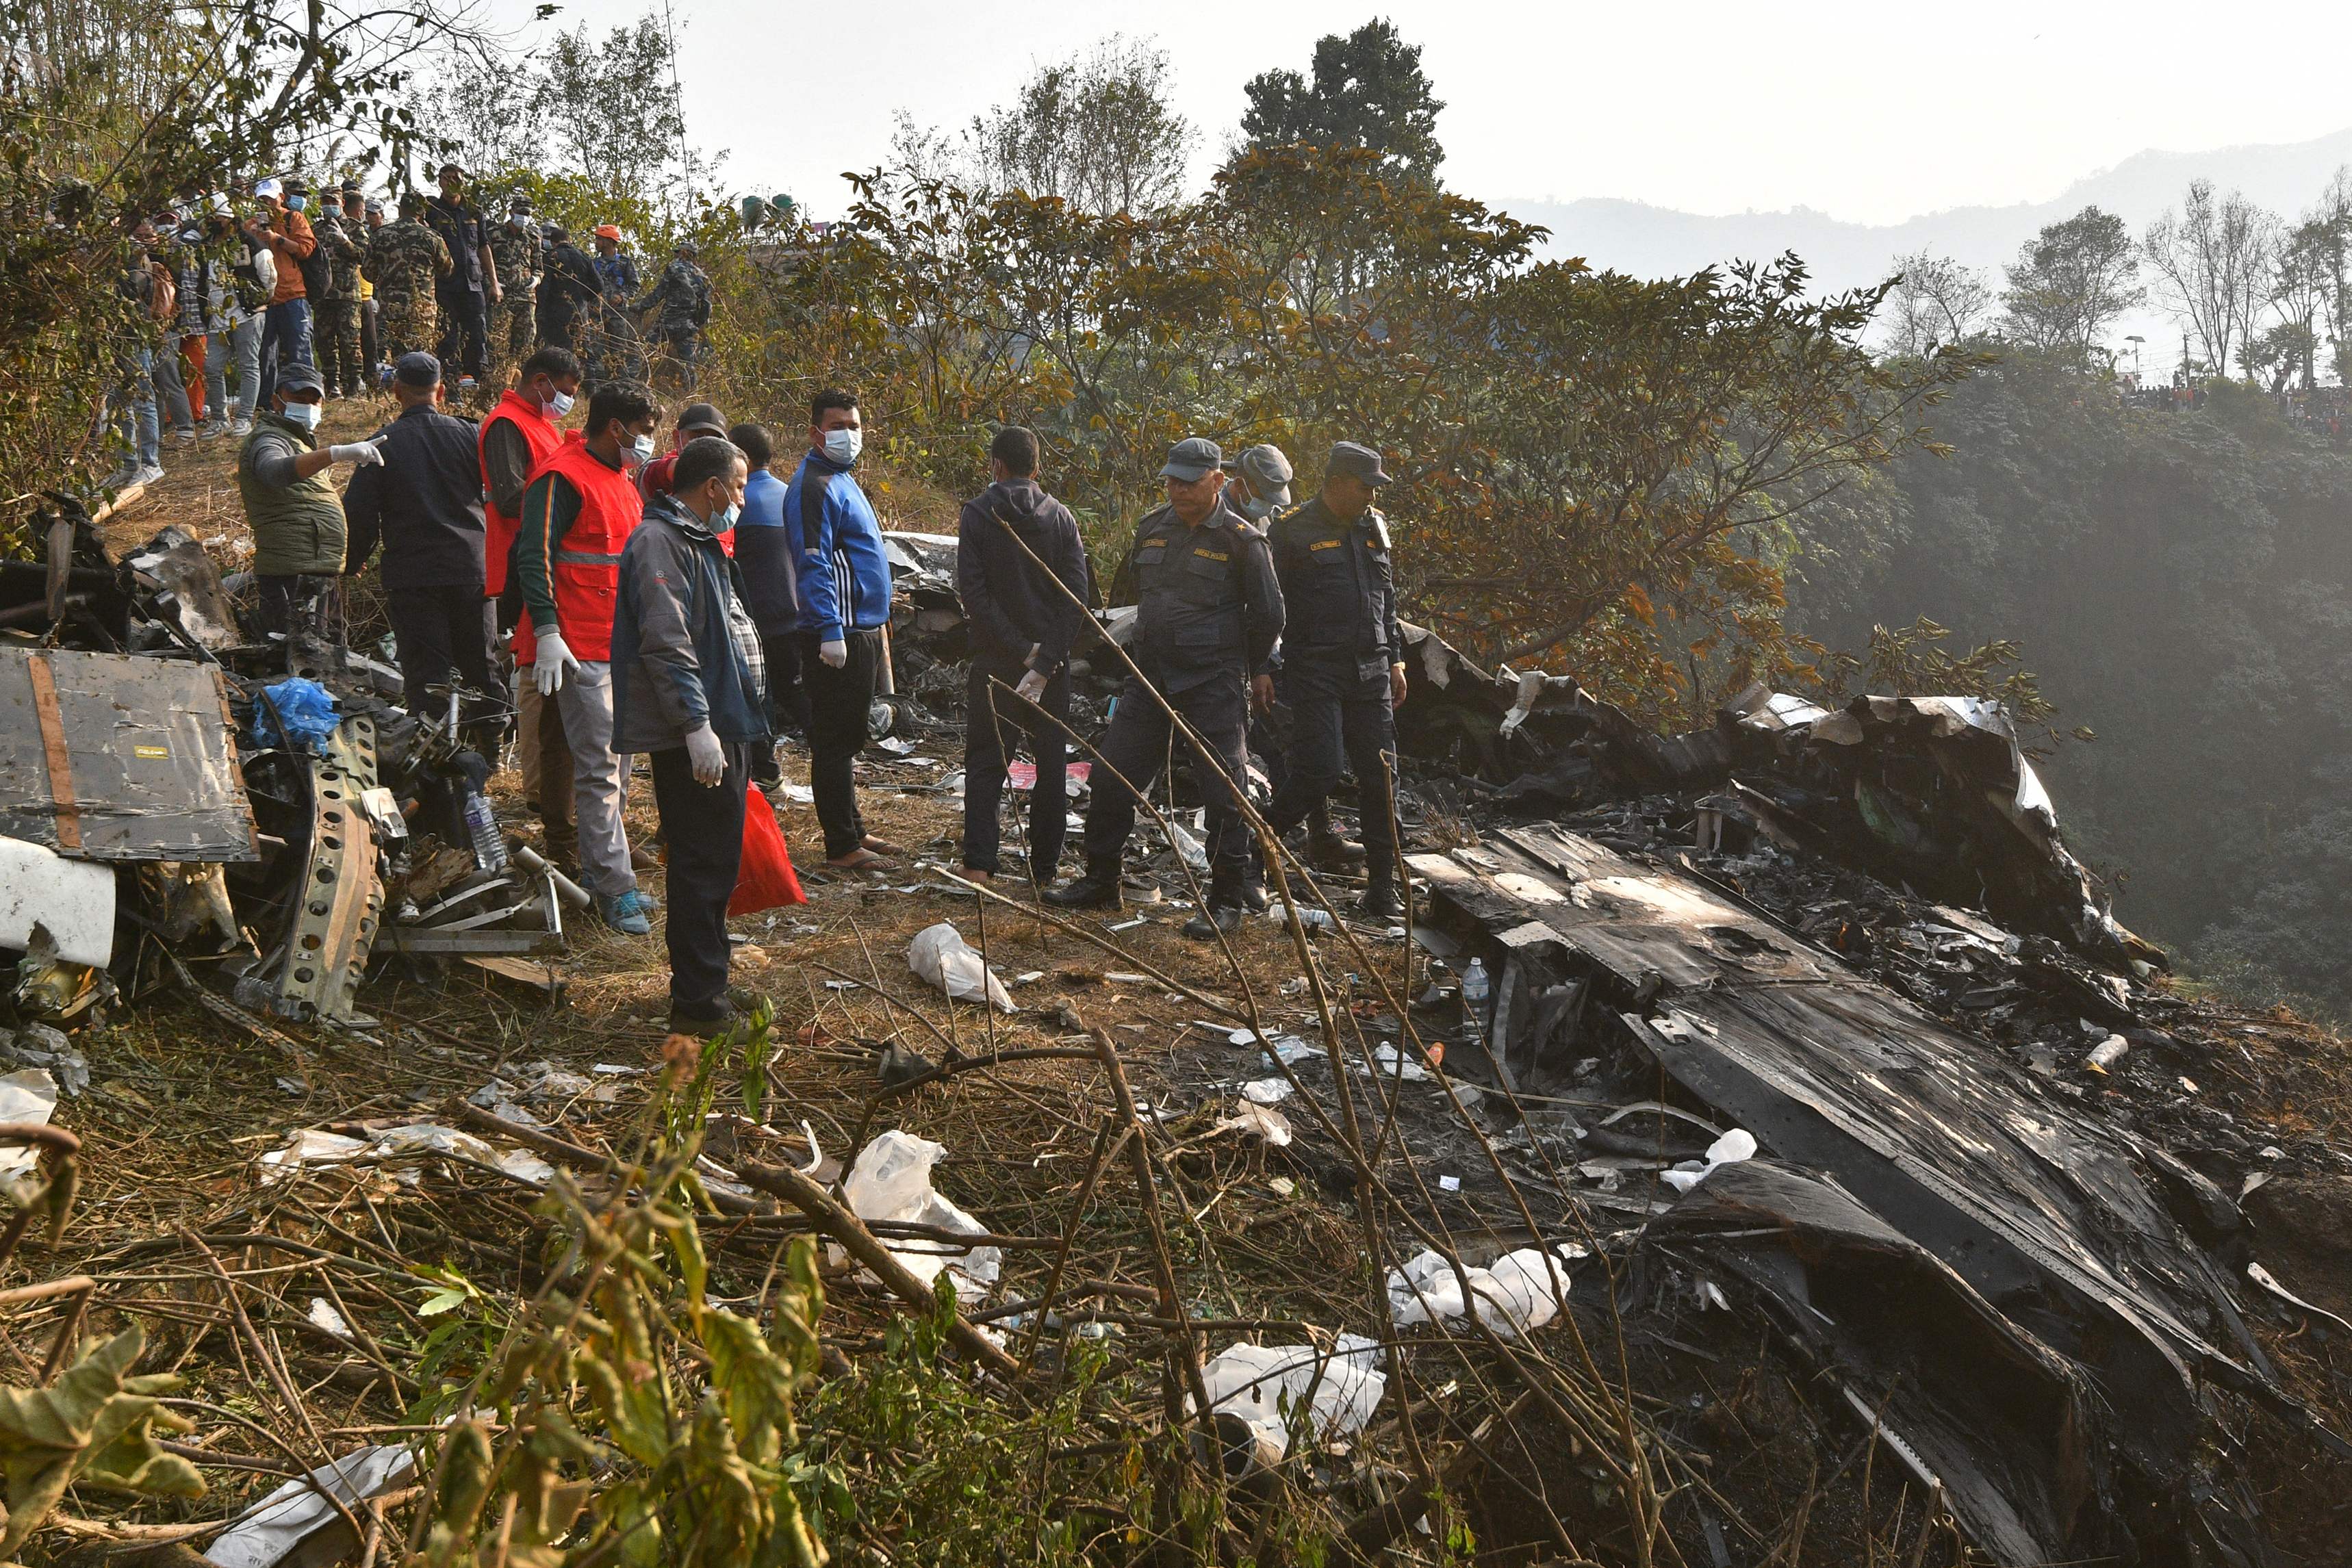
(234, 291)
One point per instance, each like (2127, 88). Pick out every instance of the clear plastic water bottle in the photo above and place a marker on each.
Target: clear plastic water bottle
(489, 845)
(1475, 988)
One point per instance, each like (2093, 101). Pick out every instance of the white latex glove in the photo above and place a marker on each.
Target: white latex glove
(358, 454)
(835, 654)
(1031, 685)
(706, 757)
(553, 663)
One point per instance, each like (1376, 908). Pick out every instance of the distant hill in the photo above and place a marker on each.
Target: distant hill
(1656, 242)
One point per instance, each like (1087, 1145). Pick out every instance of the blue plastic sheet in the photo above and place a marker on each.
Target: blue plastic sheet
(305, 707)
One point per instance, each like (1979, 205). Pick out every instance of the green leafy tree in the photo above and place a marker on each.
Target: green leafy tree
(2070, 282)
(1366, 90)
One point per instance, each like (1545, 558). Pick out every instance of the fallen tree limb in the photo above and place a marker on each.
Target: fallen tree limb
(837, 1222)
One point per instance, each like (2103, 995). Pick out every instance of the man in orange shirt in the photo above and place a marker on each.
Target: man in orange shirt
(286, 324)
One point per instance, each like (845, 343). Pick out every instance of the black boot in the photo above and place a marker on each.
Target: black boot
(1327, 849)
(1098, 889)
(1379, 901)
(1205, 926)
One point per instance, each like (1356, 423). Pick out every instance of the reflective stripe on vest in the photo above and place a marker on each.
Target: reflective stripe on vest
(588, 558)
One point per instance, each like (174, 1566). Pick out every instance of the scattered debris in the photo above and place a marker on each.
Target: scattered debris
(940, 957)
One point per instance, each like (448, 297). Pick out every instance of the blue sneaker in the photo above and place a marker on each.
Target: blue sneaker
(628, 914)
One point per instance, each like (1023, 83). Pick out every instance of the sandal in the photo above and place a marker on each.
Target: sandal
(880, 846)
(860, 859)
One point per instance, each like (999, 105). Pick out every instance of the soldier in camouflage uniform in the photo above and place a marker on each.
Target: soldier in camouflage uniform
(405, 260)
(337, 323)
(683, 296)
(515, 249)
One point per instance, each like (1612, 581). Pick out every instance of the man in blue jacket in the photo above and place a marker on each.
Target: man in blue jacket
(686, 688)
(766, 557)
(842, 588)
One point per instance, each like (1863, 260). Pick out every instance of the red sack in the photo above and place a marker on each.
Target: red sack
(765, 880)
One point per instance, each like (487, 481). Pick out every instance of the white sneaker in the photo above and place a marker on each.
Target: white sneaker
(241, 427)
(148, 474)
(212, 430)
(122, 478)
(185, 437)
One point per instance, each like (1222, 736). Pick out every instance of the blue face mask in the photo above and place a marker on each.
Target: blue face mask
(724, 518)
(305, 414)
(296, 203)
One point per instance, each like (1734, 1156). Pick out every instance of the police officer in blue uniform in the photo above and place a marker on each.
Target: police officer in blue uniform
(1343, 660)
(1208, 613)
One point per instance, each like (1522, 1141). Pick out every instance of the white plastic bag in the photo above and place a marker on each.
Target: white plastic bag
(940, 956)
(1261, 1383)
(1734, 1146)
(892, 1182)
(1512, 1297)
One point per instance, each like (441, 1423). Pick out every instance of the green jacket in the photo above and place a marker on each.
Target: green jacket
(298, 524)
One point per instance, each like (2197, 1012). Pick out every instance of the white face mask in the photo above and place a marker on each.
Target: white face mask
(558, 403)
(642, 450)
(305, 414)
(844, 445)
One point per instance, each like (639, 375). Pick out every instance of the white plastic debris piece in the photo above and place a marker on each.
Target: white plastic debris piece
(271, 1529)
(30, 1095)
(1267, 1091)
(1029, 977)
(940, 956)
(1449, 1183)
(1512, 1297)
(2107, 1053)
(1189, 848)
(1128, 924)
(73, 900)
(1242, 1037)
(1394, 1064)
(323, 1313)
(1734, 1146)
(309, 1146)
(1265, 1385)
(1259, 1122)
(1289, 1047)
(892, 1182)
(799, 794)
(1122, 977)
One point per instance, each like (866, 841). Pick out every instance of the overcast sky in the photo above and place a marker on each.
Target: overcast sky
(1868, 112)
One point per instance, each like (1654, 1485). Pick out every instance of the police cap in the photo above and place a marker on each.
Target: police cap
(1195, 457)
(1356, 462)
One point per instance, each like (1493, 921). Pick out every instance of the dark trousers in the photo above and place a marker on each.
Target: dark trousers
(370, 352)
(465, 319)
(837, 703)
(993, 720)
(1335, 713)
(703, 829)
(285, 338)
(307, 605)
(1135, 748)
(788, 703)
(442, 631)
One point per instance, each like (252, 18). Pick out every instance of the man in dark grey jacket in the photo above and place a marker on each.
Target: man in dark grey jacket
(423, 502)
(1025, 615)
(687, 688)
